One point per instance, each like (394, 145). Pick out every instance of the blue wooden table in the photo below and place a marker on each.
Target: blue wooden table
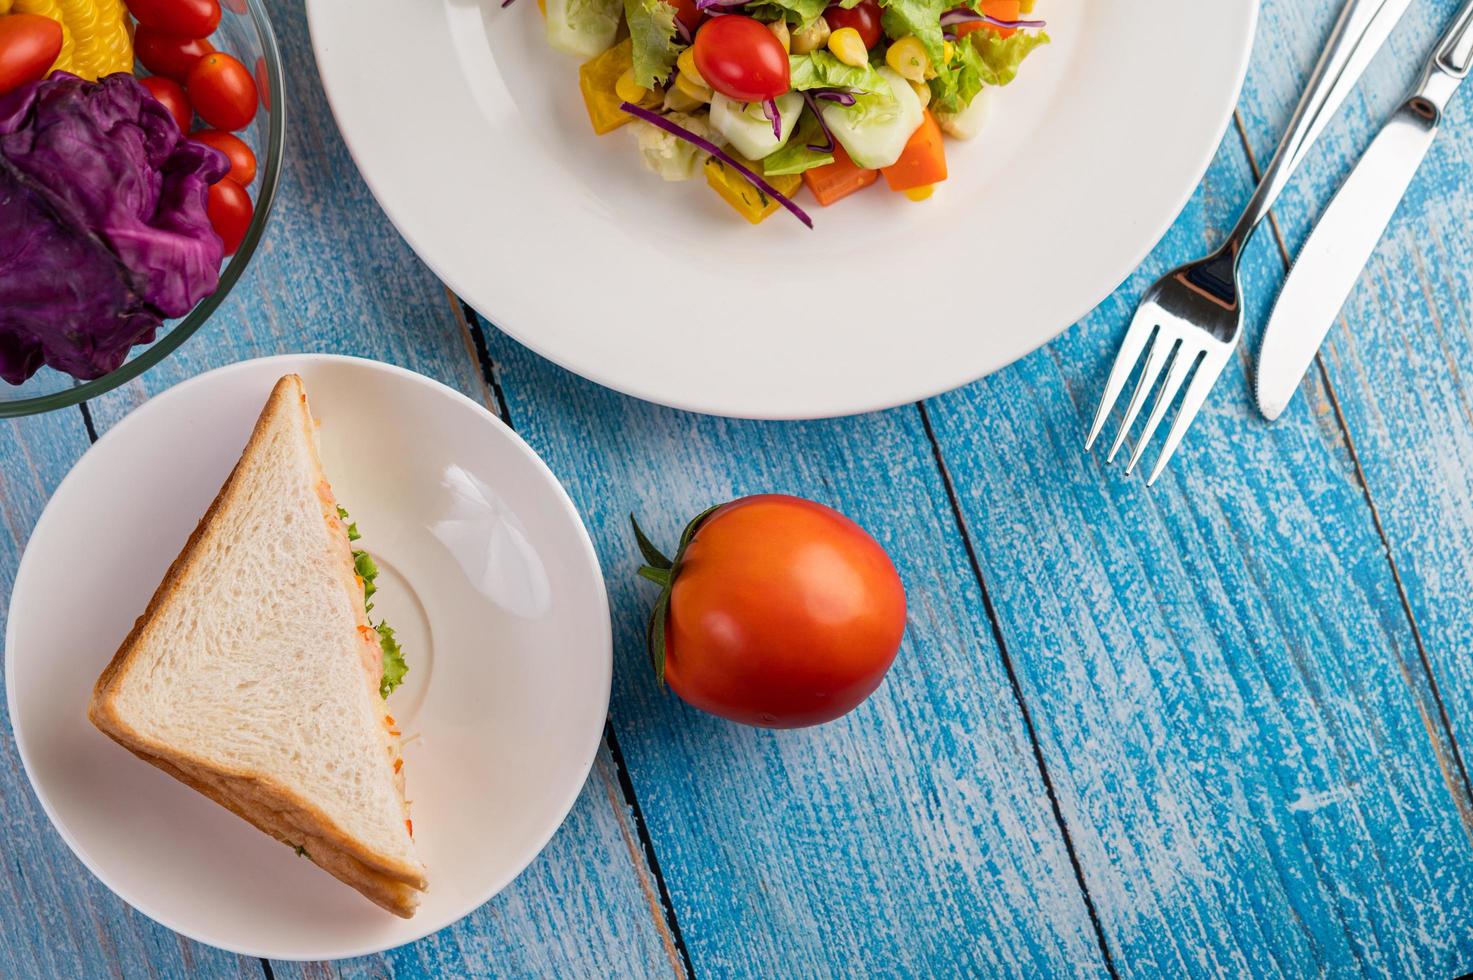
(1209, 729)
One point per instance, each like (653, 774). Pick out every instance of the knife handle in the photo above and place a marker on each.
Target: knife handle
(1455, 52)
(1359, 32)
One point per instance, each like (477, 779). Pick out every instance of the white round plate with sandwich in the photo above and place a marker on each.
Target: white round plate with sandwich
(258, 673)
(478, 147)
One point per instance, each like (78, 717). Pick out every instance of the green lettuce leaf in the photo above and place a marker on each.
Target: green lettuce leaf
(1001, 56)
(822, 70)
(652, 30)
(394, 666)
(794, 156)
(799, 12)
(987, 60)
(919, 17)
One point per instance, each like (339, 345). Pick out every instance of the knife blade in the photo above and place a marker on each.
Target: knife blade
(1331, 261)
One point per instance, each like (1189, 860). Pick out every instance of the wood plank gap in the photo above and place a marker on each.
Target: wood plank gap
(87, 421)
(1007, 661)
(470, 322)
(1464, 799)
(641, 829)
(266, 969)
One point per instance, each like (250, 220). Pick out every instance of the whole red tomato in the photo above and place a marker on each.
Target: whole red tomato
(781, 613)
(168, 55)
(171, 94)
(242, 160)
(29, 44)
(223, 92)
(182, 18)
(864, 17)
(740, 58)
(230, 210)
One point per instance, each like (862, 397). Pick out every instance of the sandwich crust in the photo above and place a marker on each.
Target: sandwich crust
(274, 808)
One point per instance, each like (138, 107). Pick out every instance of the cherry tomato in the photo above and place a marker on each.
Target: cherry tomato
(740, 58)
(687, 13)
(242, 160)
(167, 55)
(864, 17)
(782, 613)
(230, 210)
(223, 92)
(29, 44)
(182, 18)
(171, 94)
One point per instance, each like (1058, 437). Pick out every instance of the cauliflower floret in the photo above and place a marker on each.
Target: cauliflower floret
(670, 156)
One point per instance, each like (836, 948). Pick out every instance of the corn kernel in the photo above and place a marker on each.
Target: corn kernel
(923, 92)
(811, 38)
(920, 193)
(628, 89)
(848, 47)
(691, 89)
(779, 29)
(908, 57)
(686, 62)
(948, 51)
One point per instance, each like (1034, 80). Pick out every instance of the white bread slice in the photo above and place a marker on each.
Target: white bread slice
(253, 674)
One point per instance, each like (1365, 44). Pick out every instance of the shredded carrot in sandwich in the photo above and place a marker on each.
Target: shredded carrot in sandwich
(398, 764)
(409, 824)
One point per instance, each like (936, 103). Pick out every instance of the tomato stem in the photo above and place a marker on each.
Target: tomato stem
(662, 571)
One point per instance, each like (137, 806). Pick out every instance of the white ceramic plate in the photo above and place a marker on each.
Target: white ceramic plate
(471, 133)
(509, 659)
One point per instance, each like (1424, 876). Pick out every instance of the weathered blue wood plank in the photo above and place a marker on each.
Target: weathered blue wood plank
(1396, 366)
(1228, 693)
(332, 276)
(62, 921)
(913, 836)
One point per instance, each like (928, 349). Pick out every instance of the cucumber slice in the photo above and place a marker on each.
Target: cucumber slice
(969, 122)
(583, 27)
(875, 129)
(747, 129)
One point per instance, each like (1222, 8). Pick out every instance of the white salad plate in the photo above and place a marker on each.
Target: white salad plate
(487, 575)
(476, 143)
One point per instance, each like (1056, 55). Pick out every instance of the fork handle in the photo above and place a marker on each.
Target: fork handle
(1361, 29)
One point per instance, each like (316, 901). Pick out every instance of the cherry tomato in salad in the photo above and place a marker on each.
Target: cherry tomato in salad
(182, 18)
(171, 94)
(782, 613)
(168, 55)
(687, 13)
(223, 92)
(864, 17)
(29, 44)
(242, 160)
(230, 210)
(740, 58)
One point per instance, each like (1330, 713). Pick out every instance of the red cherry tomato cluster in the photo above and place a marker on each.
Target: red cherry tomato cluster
(192, 79)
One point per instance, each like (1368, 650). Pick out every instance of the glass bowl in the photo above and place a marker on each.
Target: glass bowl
(245, 32)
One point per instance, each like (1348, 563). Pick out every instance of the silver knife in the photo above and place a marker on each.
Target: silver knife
(1345, 236)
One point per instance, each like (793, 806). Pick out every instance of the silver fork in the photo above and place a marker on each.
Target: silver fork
(1193, 316)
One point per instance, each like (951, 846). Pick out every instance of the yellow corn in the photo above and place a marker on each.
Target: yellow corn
(4, 6)
(808, 39)
(686, 64)
(948, 51)
(628, 89)
(908, 57)
(848, 47)
(779, 29)
(692, 89)
(923, 92)
(677, 100)
(95, 35)
(920, 193)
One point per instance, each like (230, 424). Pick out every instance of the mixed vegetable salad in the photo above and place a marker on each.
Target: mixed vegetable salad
(763, 96)
(117, 204)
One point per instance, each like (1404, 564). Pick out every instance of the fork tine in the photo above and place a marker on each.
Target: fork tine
(1161, 348)
(1181, 364)
(1135, 341)
(1212, 364)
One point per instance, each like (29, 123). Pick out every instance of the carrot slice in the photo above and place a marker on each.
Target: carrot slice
(1002, 10)
(839, 179)
(923, 161)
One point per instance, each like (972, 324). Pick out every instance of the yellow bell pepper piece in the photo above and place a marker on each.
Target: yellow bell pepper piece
(96, 35)
(4, 7)
(742, 194)
(597, 79)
